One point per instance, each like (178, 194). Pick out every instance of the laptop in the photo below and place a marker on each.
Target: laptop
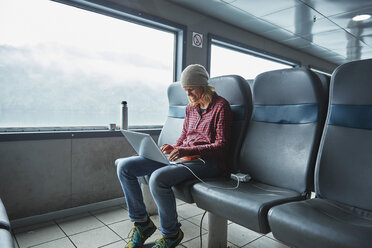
(146, 147)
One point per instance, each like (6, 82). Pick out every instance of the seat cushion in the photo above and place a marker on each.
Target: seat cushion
(321, 223)
(247, 206)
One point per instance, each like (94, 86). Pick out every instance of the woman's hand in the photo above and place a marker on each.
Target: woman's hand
(166, 148)
(174, 155)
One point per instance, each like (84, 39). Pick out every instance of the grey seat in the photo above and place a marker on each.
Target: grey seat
(238, 93)
(172, 127)
(341, 214)
(278, 151)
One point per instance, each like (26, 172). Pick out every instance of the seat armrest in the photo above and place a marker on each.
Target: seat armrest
(6, 240)
(4, 220)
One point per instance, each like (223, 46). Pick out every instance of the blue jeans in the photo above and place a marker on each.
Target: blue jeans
(163, 177)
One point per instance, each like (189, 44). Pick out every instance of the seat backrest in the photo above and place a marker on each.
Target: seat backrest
(344, 164)
(237, 92)
(234, 89)
(282, 139)
(172, 127)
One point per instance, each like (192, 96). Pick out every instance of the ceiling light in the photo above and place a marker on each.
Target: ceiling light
(359, 18)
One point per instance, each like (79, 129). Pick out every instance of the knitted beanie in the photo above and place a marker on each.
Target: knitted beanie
(194, 75)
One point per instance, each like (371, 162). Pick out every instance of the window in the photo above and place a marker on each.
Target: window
(65, 66)
(228, 59)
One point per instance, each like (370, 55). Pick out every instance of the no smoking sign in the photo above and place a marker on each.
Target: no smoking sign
(197, 40)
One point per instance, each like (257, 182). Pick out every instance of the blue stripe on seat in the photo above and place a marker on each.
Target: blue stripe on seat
(239, 112)
(177, 112)
(286, 114)
(354, 116)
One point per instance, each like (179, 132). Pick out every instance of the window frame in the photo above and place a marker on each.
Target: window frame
(123, 13)
(318, 70)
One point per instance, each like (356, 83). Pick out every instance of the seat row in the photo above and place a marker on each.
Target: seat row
(6, 240)
(287, 138)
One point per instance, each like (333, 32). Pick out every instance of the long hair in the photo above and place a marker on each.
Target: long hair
(207, 94)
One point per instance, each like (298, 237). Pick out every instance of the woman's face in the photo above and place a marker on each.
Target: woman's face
(194, 93)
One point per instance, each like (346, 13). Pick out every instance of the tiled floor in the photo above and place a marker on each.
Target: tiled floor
(109, 228)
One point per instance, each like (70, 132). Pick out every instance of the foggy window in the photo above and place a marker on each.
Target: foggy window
(64, 66)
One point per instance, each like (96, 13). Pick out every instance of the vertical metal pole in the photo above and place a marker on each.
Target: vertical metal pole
(217, 233)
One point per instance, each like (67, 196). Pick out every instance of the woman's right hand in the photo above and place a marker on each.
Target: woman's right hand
(166, 148)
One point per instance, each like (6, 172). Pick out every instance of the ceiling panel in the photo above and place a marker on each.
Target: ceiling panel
(334, 7)
(300, 15)
(307, 29)
(263, 7)
(297, 42)
(259, 26)
(320, 27)
(278, 34)
(344, 20)
(366, 55)
(367, 40)
(231, 14)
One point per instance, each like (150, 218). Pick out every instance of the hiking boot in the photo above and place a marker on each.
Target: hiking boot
(140, 233)
(170, 242)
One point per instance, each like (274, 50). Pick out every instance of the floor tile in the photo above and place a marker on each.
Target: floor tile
(59, 243)
(80, 223)
(156, 220)
(111, 215)
(196, 243)
(189, 210)
(119, 244)
(190, 230)
(32, 227)
(240, 236)
(270, 235)
(95, 238)
(89, 230)
(122, 228)
(180, 202)
(43, 233)
(265, 242)
(196, 220)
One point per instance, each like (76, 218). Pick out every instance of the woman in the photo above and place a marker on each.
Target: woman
(206, 133)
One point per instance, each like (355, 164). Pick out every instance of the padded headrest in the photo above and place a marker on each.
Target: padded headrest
(280, 145)
(177, 95)
(288, 96)
(233, 88)
(237, 92)
(350, 98)
(354, 83)
(286, 86)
